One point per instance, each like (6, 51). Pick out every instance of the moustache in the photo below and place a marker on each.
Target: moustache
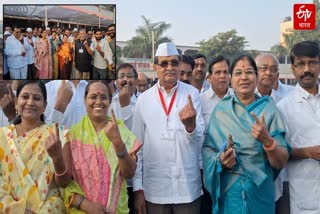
(170, 72)
(307, 74)
(185, 81)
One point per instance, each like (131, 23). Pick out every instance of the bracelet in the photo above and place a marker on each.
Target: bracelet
(61, 174)
(123, 153)
(272, 147)
(80, 202)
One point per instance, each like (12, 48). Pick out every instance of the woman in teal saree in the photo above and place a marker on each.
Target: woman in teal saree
(239, 177)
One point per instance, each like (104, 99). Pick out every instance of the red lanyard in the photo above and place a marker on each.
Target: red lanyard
(167, 111)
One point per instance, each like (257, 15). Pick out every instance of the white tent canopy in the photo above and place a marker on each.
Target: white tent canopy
(75, 14)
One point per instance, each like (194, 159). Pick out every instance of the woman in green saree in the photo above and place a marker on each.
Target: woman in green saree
(102, 154)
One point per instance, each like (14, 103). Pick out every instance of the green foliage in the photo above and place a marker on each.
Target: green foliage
(228, 44)
(140, 46)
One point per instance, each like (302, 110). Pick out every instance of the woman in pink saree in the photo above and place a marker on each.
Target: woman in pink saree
(43, 57)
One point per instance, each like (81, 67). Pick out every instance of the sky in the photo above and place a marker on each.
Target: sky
(195, 20)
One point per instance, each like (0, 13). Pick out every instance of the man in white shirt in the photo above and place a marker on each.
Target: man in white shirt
(65, 103)
(282, 88)
(123, 104)
(7, 108)
(220, 78)
(102, 56)
(268, 75)
(168, 120)
(17, 58)
(30, 41)
(301, 110)
(199, 73)
(124, 101)
(142, 83)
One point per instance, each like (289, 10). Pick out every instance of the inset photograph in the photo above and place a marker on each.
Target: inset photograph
(59, 42)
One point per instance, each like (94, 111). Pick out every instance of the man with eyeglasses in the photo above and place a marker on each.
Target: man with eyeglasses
(199, 73)
(123, 106)
(124, 101)
(17, 58)
(268, 74)
(168, 119)
(82, 56)
(186, 68)
(301, 110)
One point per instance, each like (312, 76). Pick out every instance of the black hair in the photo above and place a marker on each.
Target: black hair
(217, 59)
(99, 29)
(241, 57)
(127, 65)
(105, 82)
(197, 56)
(43, 90)
(188, 60)
(306, 48)
(112, 25)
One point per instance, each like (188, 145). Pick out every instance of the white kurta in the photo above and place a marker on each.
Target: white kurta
(123, 113)
(168, 165)
(75, 109)
(209, 100)
(302, 115)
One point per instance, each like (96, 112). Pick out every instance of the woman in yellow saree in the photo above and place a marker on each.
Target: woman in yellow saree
(102, 152)
(27, 183)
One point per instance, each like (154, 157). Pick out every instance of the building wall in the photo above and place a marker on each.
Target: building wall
(286, 27)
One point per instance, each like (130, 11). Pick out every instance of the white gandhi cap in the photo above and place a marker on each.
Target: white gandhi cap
(167, 49)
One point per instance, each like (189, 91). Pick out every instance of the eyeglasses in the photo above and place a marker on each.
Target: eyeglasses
(273, 69)
(123, 75)
(247, 72)
(311, 64)
(173, 63)
(188, 73)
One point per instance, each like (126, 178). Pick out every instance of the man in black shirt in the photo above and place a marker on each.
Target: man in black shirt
(82, 56)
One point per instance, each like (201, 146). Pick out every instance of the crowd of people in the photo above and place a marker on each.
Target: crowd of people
(237, 141)
(37, 53)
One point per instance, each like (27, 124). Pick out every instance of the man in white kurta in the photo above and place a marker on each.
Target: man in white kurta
(301, 110)
(219, 78)
(169, 122)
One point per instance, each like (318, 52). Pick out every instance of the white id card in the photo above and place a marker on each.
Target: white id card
(81, 50)
(167, 134)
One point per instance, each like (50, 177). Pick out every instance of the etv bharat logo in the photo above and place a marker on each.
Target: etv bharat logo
(304, 16)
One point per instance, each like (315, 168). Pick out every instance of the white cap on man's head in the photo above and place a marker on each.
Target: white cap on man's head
(29, 29)
(75, 29)
(167, 49)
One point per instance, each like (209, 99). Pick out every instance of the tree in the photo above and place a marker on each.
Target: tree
(228, 44)
(140, 46)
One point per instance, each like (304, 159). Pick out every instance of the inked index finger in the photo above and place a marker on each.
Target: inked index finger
(256, 119)
(11, 95)
(57, 129)
(114, 120)
(190, 100)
